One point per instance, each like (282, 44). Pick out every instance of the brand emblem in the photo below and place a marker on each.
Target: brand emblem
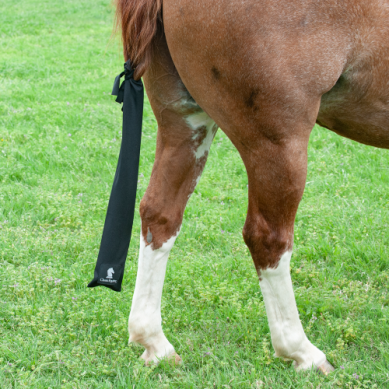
(110, 271)
(109, 277)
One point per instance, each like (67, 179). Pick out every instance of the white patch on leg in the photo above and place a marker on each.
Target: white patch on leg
(197, 121)
(145, 317)
(287, 334)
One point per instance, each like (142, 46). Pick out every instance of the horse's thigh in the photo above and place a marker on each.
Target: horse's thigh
(185, 134)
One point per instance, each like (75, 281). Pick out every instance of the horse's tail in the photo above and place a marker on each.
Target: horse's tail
(139, 24)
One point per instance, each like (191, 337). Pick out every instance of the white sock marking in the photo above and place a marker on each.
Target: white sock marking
(287, 334)
(145, 316)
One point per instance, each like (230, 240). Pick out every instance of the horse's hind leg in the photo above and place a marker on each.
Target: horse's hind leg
(185, 134)
(276, 170)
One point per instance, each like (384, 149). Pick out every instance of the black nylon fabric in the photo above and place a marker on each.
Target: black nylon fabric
(116, 237)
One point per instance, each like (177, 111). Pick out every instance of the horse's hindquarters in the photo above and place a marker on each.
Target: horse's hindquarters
(253, 68)
(245, 60)
(242, 61)
(259, 69)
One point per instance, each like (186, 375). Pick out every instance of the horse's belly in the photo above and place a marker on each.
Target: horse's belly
(357, 107)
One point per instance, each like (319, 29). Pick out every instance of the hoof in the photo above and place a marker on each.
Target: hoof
(177, 359)
(325, 368)
(173, 359)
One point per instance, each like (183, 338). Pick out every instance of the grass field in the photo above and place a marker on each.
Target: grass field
(59, 142)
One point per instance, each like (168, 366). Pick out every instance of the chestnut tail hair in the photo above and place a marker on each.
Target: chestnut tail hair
(139, 21)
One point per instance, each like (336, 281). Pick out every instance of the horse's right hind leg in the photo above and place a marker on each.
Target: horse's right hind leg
(185, 134)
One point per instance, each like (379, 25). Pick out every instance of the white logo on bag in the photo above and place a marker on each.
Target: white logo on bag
(109, 277)
(110, 271)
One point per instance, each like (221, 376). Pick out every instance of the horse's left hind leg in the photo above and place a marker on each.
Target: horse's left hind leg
(276, 173)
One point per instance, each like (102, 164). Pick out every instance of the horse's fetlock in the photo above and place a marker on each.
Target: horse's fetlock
(286, 344)
(301, 350)
(143, 330)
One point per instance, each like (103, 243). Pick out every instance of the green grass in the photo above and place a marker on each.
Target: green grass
(59, 142)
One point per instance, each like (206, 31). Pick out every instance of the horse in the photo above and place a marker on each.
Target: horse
(264, 72)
